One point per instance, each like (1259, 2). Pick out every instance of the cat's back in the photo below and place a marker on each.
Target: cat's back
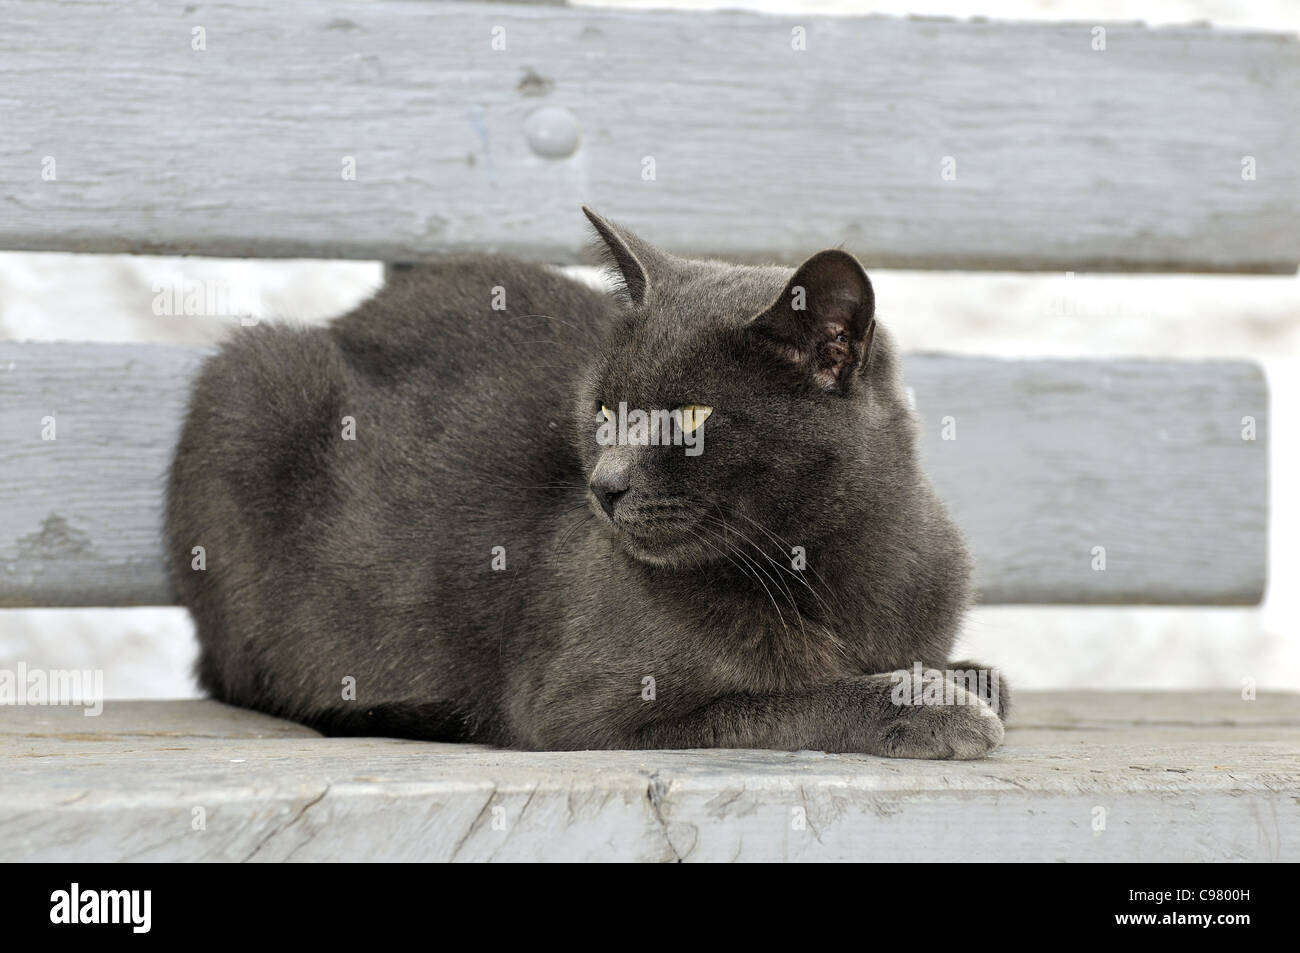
(464, 317)
(310, 456)
(477, 341)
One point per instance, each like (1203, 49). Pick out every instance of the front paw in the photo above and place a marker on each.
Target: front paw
(960, 726)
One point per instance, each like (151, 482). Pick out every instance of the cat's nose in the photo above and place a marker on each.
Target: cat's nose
(609, 482)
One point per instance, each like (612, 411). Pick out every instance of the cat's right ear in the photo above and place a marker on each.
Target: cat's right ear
(629, 257)
(825, 320)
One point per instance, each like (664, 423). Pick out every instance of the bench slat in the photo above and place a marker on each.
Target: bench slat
(1066, 157)
(1051, 459)
(1183, 776)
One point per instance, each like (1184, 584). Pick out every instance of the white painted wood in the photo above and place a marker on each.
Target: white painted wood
(1051, 459)
(1055, 460)
(80, 515)
(1066, 157)
(1179, 777)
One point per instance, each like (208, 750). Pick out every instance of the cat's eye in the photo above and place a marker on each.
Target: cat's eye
(692, 416)
(608, 414)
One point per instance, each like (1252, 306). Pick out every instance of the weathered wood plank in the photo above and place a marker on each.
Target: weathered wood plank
(1050, 460)
(1066, 157)
(1169, 783)
(1055, 459)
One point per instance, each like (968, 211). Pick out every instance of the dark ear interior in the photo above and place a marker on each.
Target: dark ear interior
(824, 320)
(627, 256)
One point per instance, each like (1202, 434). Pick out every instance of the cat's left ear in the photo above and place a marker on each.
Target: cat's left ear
(825, 319)
(631, 258)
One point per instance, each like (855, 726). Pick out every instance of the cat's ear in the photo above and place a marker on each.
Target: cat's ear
(824, 320)
(632, 259)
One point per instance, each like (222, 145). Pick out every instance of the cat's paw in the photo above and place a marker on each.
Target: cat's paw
(961, 727)
(989, 683)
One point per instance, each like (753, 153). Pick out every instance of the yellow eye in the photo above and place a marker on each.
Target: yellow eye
(609, 414)
(692, 416)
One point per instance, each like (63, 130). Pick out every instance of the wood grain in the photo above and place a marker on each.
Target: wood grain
(1050, 460)
(1083, 776)
(1066, 157)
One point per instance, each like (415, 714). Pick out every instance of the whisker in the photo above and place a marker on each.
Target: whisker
(794, 607)
(775, 562)
(779, 615)
(568, 533)
(786, 546)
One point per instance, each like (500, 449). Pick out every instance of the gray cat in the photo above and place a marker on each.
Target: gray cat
(492, 504)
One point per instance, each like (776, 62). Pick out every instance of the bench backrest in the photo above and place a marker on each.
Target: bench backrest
(1168, 149)
(1077, 481)
(397, 130)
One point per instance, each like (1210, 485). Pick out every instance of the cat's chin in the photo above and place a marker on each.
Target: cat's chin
(662, 552)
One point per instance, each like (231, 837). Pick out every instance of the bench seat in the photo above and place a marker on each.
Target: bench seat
(1176, 776)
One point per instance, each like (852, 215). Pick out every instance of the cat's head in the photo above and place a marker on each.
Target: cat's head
(734, 403)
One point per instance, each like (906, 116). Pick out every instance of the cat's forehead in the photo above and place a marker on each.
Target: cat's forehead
(681, 340)
(701, 295)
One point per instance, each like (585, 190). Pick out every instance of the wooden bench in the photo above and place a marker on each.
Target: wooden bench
(234, 129)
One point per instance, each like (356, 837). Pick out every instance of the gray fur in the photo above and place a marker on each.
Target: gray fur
(680, 621)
